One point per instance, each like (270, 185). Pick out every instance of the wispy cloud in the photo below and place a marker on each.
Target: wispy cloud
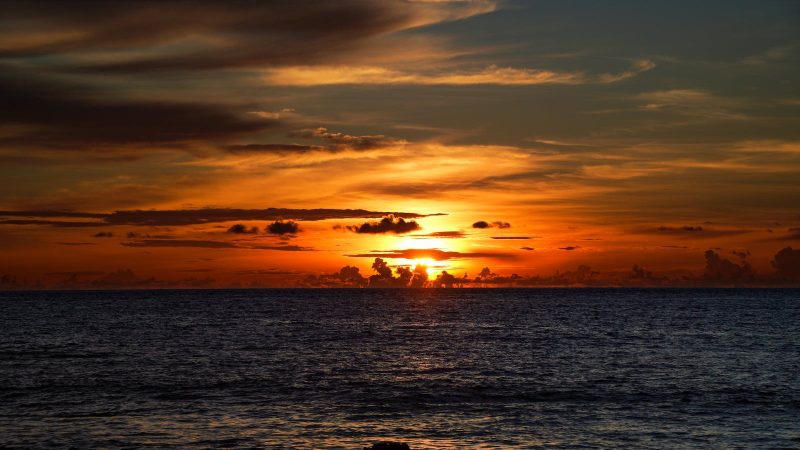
(491, 75)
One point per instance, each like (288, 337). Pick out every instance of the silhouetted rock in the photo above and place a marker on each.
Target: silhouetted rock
(388, 446)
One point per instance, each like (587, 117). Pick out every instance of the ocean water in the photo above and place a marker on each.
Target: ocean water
(432, 368)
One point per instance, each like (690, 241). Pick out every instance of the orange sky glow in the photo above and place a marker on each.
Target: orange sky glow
(477, 143)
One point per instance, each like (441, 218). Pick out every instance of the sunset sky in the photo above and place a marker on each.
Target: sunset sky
(272, 143)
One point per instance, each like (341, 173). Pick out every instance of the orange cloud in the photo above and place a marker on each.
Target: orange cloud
(491, 75)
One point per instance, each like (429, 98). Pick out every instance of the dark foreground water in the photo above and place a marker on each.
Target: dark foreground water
(433, 368)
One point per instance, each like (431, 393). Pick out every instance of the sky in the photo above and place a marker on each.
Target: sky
(399, 143)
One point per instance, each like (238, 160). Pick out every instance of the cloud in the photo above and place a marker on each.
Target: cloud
(481, 224)
(689, 102)
(103, 234)
(333, 142)
(719, 269)
(180, 243)
(242, 229)
(340, 141)
(271, 148)
(176, 217)
(280, 227)
(58, 115)
(793, 235)
(347, 276)
(690, 231)
(787, 263)
(569, 248)
(435, 254)
(491, 75)
(384, 278)
(75, 244)
(173, 35)
(210, 244)
(530, 249)
(48, 213)
(512, 238)
(209, 215)
(52, 223)
(741, 254)
(447, 280)
(389, 224)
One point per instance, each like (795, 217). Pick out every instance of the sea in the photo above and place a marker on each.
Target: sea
(433, 368)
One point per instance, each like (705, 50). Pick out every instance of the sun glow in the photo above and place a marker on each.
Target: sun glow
(431, 266)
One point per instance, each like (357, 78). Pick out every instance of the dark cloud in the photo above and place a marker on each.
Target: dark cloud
(690, 231)
(180, 243)
(389, 224)
(62, 116)
(103, 234)
(341, 141)
(46, 213)
(569, 247)
(76, 244)
(281, 227)
(235, 34)
(527, 248)
(512, 238)
(787, 263)
(347, 276)
(384, 278)
(435, 254)
(242, 229)
(719, 269)
(686, 228)
(447, 280)
(741, 254)
(484, 224)
(201, 216)
(209, 215)
(52, 223)
(640, 273)
(211, 244)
